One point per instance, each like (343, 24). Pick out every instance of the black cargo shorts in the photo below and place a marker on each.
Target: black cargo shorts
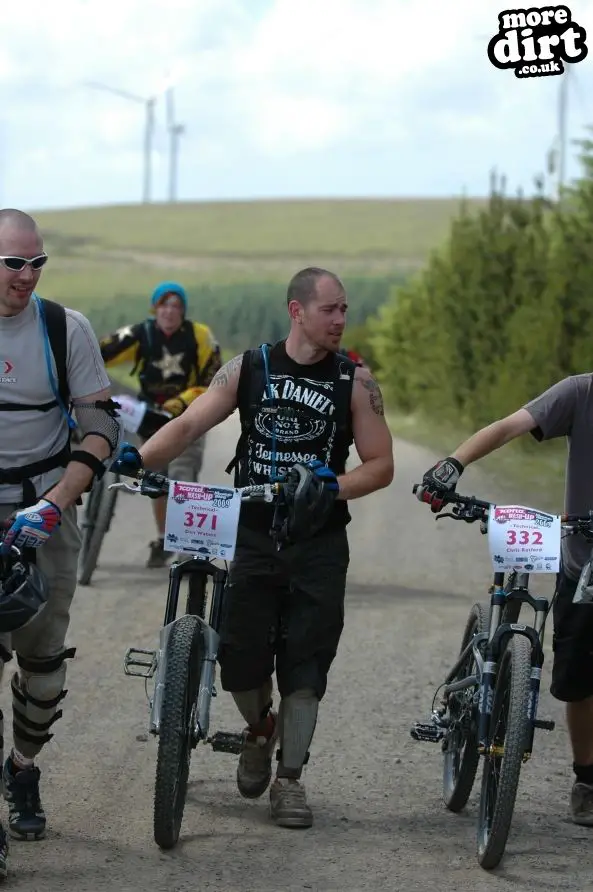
(572, 643)
(283, 610)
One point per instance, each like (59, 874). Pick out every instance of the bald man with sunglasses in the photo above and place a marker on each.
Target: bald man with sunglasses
(41, 480)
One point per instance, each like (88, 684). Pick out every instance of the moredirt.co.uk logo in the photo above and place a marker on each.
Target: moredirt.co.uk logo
(537, 42)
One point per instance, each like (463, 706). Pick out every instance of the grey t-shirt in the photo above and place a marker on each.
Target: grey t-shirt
(30, 436)
(566, 410)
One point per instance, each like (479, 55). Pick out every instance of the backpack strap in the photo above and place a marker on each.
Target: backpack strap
(55, 323)
(189, 327)
(345, 371)
(144, 346)
(252, 380)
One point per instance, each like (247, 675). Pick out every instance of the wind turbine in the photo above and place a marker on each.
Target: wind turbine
(149, 105)
(175, 130)
(557, 152)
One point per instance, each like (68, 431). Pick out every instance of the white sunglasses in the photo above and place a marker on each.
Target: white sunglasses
(15, 264)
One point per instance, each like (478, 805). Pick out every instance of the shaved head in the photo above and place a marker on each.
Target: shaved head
(303, 285)
(17, 220)
(20, 241)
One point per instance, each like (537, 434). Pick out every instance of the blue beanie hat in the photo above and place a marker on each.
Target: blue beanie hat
(169, 288)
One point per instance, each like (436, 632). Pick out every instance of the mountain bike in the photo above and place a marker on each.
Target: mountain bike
(489, 700)
(184, 669)
(99, 505)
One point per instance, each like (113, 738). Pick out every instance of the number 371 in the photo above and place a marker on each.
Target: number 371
(526, 537)
(198, 518)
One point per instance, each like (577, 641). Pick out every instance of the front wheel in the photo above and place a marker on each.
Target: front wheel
(510, 728)
(460, 745)
(181, 681)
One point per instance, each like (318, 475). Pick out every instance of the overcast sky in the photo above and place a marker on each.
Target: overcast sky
(279, 97)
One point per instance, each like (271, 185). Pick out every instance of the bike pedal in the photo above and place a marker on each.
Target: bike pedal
(427, 732)
(544, 724)
(226, 742)
(136, 662)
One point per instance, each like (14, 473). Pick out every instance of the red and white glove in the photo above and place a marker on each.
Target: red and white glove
(438, 481)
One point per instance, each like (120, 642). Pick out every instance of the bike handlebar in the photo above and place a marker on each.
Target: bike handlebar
(470, 509)
(154, 485)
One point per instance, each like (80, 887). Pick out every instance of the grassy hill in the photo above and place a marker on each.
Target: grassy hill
(234, 241)
(105, 261)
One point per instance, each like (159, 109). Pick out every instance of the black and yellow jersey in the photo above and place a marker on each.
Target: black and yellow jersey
(178, 365)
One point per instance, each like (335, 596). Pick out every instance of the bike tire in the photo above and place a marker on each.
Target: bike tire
(498, 794)
(98, 515)
(460, 762)
(196, 596)
(182, 676)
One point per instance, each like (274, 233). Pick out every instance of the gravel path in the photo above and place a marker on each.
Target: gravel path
(379, 820)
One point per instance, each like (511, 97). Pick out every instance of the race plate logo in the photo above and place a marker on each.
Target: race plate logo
(186, 492)
(516, 514)
(506, 515)
(537, 42)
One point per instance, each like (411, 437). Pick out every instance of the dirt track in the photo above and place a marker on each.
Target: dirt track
(379, 821)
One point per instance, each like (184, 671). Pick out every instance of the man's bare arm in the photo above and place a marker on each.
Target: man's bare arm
(372, 439)
(204, 413)
(493, 436)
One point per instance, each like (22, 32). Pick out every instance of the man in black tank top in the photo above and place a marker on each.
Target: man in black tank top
(307, 427)
(302, 405)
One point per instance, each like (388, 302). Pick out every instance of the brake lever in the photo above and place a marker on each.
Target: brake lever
(128, 487)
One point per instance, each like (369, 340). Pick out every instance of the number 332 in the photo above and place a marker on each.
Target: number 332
(525, 537)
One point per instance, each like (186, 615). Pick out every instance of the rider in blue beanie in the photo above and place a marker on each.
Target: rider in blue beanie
(169, 288)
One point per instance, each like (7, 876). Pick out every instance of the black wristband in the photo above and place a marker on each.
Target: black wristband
(91, 461)
(456, 464)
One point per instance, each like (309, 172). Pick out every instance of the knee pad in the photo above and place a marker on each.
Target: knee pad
(37, 691)
(297, 722)
(254, 705)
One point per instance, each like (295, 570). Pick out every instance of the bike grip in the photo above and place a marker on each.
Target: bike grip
(415, 487)
(126, 472)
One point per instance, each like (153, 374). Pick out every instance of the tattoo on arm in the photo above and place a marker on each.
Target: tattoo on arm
(375, 395)
(228, 371)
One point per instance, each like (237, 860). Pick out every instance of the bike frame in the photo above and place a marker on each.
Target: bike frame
(487, 649)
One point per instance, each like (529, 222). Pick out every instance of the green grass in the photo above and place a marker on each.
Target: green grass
(106, 253)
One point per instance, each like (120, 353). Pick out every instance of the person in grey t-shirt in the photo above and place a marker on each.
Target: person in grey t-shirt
(564, 410)
(41, 480)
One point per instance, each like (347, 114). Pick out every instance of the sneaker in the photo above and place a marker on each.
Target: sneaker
(26, 818)
(254, 771)
(288, 804)
(157, 557)
(581, 804)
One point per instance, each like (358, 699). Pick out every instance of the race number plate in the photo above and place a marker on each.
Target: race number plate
(523, 539)
(202, 519)
(132, 412)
